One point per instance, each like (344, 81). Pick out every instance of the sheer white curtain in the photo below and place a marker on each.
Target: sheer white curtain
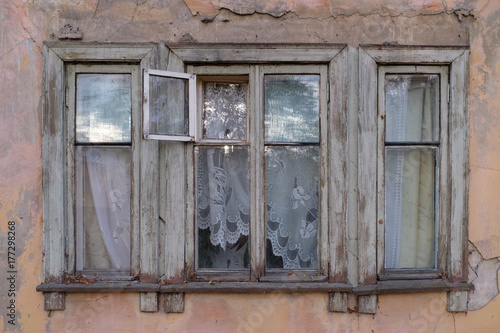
(410, 176)
(108, 200)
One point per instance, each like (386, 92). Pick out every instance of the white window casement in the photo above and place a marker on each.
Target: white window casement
(169, 168)
(413, 134)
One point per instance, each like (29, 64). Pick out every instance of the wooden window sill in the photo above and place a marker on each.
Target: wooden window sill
(201, 287)
(382, 287)
(411, 286)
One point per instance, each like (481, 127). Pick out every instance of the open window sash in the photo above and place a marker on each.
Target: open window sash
(169, 105)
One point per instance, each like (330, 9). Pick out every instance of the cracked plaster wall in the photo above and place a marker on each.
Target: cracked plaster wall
(25, 25)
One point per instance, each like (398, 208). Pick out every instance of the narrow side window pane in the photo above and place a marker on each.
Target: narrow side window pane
(223, 207)
(103, 108)
(412, 107)
(291, 108)
(224, 110)
(103, 196)
(411, 207)
(292, 207)
(168, 106)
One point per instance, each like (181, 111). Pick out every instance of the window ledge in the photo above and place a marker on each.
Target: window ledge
(250, 287)
(122, 286)
(174, 293)
(201, 287)
(382, 287)
(411, 286)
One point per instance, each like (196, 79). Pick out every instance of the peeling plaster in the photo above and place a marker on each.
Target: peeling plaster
(483, 273)
(208, 10)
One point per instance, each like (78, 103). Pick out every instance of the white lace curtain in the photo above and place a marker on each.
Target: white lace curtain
(292, 206)
(224, 206)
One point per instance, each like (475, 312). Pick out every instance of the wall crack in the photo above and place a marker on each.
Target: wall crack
(208, 11)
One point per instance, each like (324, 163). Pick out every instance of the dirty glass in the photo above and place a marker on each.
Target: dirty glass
(169, 106)
(103, 108)
(412, 107)
(291, 108)
(224, 110)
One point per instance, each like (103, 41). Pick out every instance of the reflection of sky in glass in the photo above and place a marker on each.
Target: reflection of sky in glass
(224, 110)
(168, 105)
(292, 108)
(103, 108)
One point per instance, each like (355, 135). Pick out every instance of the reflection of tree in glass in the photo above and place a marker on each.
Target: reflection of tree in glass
(224, 110)
(103, 107)
(169, 106)
(292, 108)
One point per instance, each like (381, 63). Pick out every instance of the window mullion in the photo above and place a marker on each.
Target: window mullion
(444, 190)
(381, 172)
(74, 240)
(257, 172)
(323, 174)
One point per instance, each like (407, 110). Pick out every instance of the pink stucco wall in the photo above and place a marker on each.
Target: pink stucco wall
(25, 25)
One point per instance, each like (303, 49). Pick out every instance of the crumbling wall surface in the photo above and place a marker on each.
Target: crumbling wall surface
(21, 60)
(26, 24)
(321, 9)
(484, 156)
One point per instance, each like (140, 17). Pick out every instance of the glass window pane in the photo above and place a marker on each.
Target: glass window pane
(411, 207)
(224, 110)
(223, 207)
(168, 106)
(103, 107)
(292, 207)
(412, 107)
(103, 192)
(292, 108)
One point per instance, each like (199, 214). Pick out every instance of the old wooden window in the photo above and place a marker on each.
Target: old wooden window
(256, 164)
(412, 170)
(258, 178)
(169, 108)
(101, 110)
(92, 122)
(100, 210)
(414, 129)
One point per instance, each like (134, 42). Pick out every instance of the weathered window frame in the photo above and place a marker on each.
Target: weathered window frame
(335, 56)
(59, 252)
(350, 225)
(191, 135)
(441, 180)
(162, 218)
(255, 144)
(371, 58)
(74, 236)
